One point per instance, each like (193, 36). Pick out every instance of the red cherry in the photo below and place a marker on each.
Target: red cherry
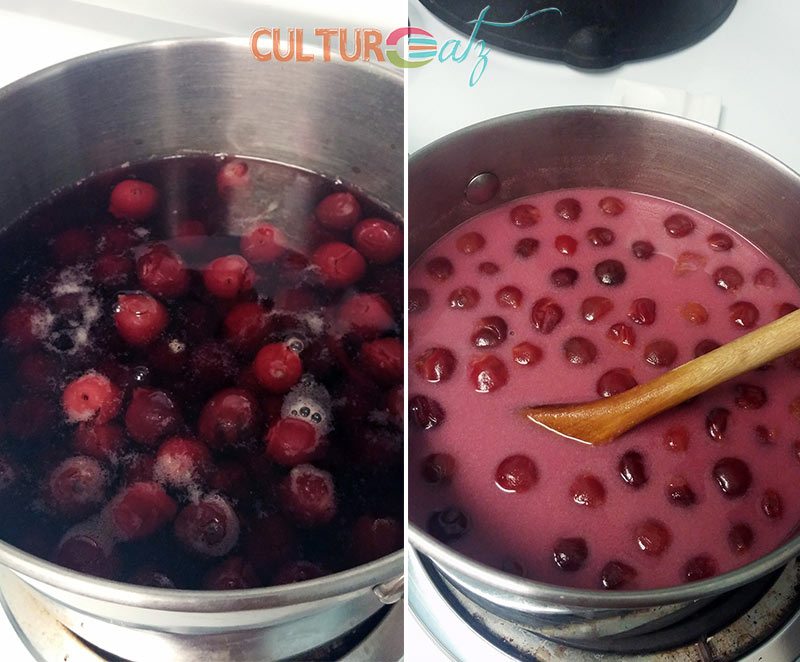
(233, 574)
(436, 364)
(678, 225)
(772, 504)
(438, 468)
(439, 269)
(263, 244)
(740, 538)
(765, 278)
(516, 473)
(632, 469)
(700, 567)
(616, 574)
(270, 542)
(381, 242)
(524, 216)
(23, 324)
(596, 308)
(464, 298)
(717, 423)
(368, 315)
(246, 327)
(307, 495)
(694, 313)
(292, 441)
(743, 314)
(661, 353)
(338, 211)
(470, 242)
(112, 270)
(579, 351)
(704, 347)
(729, 279)
(643, 311)
(104, 442)
(339, 264)
(642, 250)
(749, 396)
(611, 206)
(733, 476)
(86, 548)
(615, 381)
(679, 493)
(489, 331)
(610, 272)
(375, 537)
(162, 272)
(229, 277)
(622, 334)
(652, 537)
(139, 318)
(564, 277)
(600, 237)
(383, 360)
(509, 297)
(487, 373)
(676, 439)
(133, 199)
(277, 368)
(139, 510)
(570, 554)
(587, 490)
(568, 209)
(526, 247)
(566, 245)
(425, 412)
(77, 487)
(233, 176)
(151, 416)
(208, 527)
(418, 300)
(488, 268)
(720, 242)
(448, 525)
(546, 315)
(527, 354)
(297, 571)
(231, 417)
(182, 462)
(91, 397)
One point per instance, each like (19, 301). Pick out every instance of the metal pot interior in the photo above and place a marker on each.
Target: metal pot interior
(645, 152)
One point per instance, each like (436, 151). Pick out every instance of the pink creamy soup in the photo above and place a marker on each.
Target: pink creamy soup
(567, 296)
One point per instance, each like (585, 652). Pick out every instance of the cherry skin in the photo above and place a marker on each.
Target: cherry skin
(527, 354)
(546, 315)
(596, 308)
(162, 272)
(720, 242)
(661, 353)
(524, 216)
(246, 327)
(632, 469)
(105, 442)
(438, 468)
(564, 277)
(77, 487)
(489, 332)
(570, 554)
(91, 397)
(579, 351)
(587, 490)
(338, 211)
(277, 368)
(151, 416)
(367, 315)
(435, 365)
(642, 250)
(375, 537)
(516, 473)
(740, 538)
(615, 381)
(509, 297)
(297, 571)
(233, 574)
(622, 334)
(439, 269)
(729, 279)
(208, 527)
(616, 575)
(689, 262)
(610, 273)
(264, 244)
(133, 199)
(233, 176)
(139, 318)
(379, 241)
(229, 277)
(150, 577)
(464, 298)
(643, 311)
(699, 567)
(717, 423)
(307, 495)
(293, 441)
(568, 209)
(487, 373)
(425, 412)
(339, 265)
(231, 417)
(600, 237)
(679, 225)
(652, 537)
(139, 510)
(733, 477)
(383, 360)
(566, 245)
(88, 549)
(526, 247)
(611, 205)
(182, 462)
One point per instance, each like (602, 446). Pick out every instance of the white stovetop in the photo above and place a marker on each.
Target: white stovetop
(38, 33)
(749, 63)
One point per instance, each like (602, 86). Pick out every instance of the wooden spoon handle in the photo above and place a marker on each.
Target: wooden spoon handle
(604, 420)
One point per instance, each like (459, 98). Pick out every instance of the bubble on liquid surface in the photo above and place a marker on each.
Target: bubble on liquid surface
(309, 401)
(68, 330)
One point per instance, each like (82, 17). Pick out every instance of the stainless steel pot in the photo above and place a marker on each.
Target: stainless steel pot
(505, 158)
(135, 103)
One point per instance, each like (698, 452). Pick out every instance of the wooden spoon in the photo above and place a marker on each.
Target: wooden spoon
(602, 421)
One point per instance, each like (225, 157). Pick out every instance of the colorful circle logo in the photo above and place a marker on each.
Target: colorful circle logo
(422, 47)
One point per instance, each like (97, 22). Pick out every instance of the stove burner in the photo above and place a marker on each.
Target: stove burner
(590, 35)
(726, 628)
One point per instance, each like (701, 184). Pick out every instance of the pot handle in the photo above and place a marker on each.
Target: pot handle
(390, 592)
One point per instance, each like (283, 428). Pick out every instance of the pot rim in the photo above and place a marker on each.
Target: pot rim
(456, 563)
(337, 584)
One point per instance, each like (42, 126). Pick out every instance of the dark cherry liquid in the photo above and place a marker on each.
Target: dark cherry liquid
(202, 376)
